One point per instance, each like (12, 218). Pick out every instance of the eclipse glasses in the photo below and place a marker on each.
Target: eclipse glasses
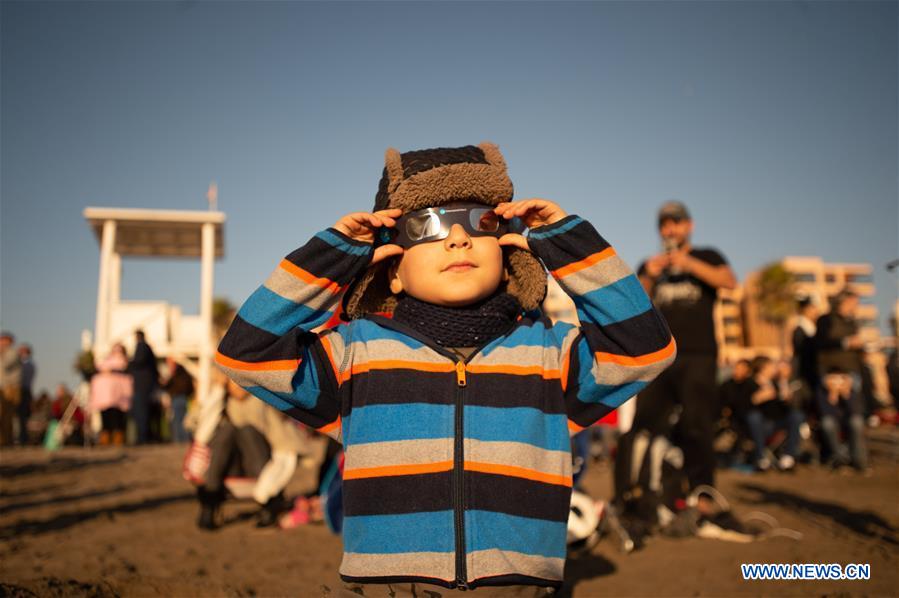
(434, 224)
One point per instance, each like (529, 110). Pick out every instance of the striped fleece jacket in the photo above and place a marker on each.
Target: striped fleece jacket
(457, 473)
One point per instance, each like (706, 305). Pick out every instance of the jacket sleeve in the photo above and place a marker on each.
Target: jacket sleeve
(623, 342)
(270, 348)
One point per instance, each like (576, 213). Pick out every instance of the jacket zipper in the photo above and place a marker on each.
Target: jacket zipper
(459, 474)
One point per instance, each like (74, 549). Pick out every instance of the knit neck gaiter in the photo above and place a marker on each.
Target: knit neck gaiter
(469, 326)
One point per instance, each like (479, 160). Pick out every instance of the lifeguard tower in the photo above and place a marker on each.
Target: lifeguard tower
(171, 234)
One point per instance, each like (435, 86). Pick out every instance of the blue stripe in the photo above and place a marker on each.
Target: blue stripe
(278, 400)
(393, 534)
(386, 423)
(545, 234)
(611, 396)
(591, 390)
(487, 530)
(535, 335)
(273, 313)
(335, 241)
(518, 424)
(621, 300)
(367, 331)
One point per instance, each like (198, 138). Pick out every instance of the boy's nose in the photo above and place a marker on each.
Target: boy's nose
(458, 238)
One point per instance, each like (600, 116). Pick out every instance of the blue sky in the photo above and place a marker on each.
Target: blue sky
(776, 122)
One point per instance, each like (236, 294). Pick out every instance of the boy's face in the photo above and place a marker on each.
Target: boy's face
(456, 271)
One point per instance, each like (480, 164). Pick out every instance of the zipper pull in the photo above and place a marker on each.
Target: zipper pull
(460, 374)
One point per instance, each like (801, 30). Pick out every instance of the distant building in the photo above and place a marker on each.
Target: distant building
(820, 281)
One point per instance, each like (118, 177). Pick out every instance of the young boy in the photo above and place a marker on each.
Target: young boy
(455, 412)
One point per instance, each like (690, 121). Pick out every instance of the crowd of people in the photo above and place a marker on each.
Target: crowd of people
(120, 399)
(817, 395)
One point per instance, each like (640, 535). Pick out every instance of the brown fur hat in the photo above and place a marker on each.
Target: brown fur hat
(433, 177)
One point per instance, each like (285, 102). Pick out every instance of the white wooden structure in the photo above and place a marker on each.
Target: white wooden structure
(124, 232)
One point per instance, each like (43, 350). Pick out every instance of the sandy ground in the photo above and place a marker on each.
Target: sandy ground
(121, 523)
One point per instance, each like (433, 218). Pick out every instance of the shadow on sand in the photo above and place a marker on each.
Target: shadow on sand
(34, 527)
(68, 498)
(864, 523)
(57, 465)
(583, 567)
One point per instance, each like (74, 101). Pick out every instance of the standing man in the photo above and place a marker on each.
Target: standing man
(27, 381)
(146, 376)
(10, 386)
(805, 353)
(839, 399)
(683, 282)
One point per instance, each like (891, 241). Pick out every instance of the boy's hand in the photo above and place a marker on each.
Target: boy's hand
(362, 226)
(533, 212)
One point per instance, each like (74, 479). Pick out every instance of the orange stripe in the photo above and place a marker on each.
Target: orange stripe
(566, 362)
(325, 283)
(639, 360)
(327, 346)
(516, 370)
(518, 472)
(573, 427)
(395, 470)
(584, 263)
(328, 427)
(259, 366)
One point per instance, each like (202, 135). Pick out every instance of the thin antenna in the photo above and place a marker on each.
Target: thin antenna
(212, 196)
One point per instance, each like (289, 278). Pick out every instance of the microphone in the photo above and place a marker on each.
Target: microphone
(669, 244)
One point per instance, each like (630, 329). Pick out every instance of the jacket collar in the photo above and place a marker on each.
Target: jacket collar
(392, 324)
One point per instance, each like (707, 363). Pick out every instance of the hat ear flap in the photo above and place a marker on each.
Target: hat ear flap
(492, 154)
(394, 163)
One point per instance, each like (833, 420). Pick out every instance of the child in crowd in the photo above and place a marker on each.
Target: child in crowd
(452, 395)
(771, 409)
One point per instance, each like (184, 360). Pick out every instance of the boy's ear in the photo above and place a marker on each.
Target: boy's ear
(505, 272)
(396, 285)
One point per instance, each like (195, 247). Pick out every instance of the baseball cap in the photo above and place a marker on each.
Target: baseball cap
(673, 210)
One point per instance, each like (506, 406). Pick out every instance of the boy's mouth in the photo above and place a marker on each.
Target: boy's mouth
(463, 266)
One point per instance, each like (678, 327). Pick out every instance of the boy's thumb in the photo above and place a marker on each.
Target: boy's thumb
(514, 240)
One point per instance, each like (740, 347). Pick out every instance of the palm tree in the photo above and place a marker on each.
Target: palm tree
(776, 298)
(223, 312)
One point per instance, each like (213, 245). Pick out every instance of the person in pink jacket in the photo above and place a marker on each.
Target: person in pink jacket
(111, 390)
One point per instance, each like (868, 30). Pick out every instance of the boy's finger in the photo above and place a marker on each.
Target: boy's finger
(385, 251)
(392, 212)
(514, 240)
(372, 220)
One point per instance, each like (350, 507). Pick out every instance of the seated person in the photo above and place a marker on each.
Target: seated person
(770, 409)
(249, 437)
(840, 406)
(733, 402)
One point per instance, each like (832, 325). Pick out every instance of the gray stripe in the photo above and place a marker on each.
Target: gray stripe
(518, 454)
(338, 347)
(615, 374)
(524, 355)
(290, 287)
(364, 351)
(275, 381)
(440, 565)
(400, 452)
(601, 274)
(488, 563)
